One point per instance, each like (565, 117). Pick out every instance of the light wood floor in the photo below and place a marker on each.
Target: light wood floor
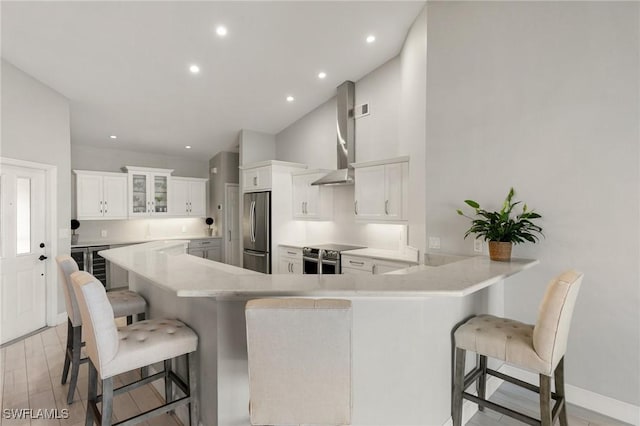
(526, 402)
(30, 372)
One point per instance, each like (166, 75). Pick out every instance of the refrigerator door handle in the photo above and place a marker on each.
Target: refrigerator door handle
(253, 222)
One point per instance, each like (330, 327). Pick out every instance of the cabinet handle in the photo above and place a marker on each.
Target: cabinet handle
(105, 206)
(356, 263)
(386, 207)
(100, 207)
(255, 181)
(373, 268)
(229, 234)
(292, 253)
(355, 206)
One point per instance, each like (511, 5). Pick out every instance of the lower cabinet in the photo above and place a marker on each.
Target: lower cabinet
(207, 248)
(365, 265)
(290, 260)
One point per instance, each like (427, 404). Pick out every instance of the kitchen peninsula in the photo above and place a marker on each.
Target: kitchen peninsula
(401, 325)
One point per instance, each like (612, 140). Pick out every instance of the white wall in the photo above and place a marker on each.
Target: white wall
(35, 127)
(256, 146)
(113, 159)
(545, 97)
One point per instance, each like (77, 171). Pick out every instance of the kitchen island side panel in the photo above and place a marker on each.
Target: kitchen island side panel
(201, 315)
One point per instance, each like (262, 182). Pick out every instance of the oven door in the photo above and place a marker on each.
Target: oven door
(309, 265)
(330, 267)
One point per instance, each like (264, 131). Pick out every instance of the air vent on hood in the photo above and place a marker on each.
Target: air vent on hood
(346, 149)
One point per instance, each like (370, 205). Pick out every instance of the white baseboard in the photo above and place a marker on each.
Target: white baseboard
(618, 410)
(60, 318)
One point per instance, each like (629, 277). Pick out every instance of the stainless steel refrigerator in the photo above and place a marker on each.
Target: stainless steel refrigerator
(256, 230)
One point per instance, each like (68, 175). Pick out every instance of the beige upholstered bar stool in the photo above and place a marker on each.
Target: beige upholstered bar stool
(299, 353)
(125, 303)
(114, 351)
(539, 348)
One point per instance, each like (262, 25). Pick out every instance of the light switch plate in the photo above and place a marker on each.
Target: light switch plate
(103, 233)
(477, 246)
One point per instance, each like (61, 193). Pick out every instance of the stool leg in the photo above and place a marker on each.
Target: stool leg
(67, 352)
(481, 384)
(545, 401)
(107, 401)
(559, 376)
(194, 409)
(76, 350)
(92, 394)
(168, 391)
(458, 384)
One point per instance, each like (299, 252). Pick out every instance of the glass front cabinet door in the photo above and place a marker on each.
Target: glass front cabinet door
(148, 191)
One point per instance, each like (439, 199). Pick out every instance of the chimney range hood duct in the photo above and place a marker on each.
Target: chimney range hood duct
(346, 138)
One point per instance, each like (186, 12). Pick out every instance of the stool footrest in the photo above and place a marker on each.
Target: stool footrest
(502, 409)
(518, 382)
(154, 412)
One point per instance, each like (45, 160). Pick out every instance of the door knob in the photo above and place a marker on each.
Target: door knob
(42, 257)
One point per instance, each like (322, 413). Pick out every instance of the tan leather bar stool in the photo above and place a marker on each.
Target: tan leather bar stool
(114, 351)
(299, 353)
(125, 303)
(539, 348)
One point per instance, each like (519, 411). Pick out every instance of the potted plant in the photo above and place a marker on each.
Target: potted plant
(75, 224)
(501, 229)
(209, 221)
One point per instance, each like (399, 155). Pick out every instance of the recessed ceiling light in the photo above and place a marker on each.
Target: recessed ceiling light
(194, 69)
(290, 98)
(113, 137)
(187, 146)
(371, 38)
(322, 75)
(221, 31)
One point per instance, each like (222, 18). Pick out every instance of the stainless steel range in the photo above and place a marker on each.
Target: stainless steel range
(324, 258)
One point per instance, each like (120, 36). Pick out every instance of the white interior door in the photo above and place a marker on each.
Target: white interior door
(232, 230)
(22, 249)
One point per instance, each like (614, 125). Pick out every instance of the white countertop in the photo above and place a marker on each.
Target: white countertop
(165, 264)
(116, 241)
(393, 255)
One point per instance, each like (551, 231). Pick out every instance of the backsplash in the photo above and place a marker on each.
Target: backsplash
(139, 229)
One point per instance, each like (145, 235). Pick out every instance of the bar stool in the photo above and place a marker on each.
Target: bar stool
(114, 351)
(299, 353)
(124, 303)
(539, 348)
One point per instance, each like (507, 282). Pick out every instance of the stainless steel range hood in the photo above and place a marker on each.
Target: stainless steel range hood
(345, 123)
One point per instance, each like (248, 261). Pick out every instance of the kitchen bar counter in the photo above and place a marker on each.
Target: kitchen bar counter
(187, 276)
(401, 335)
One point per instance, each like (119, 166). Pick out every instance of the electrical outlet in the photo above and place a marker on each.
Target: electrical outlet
(103, 233)
(477, 246)
(434, 242)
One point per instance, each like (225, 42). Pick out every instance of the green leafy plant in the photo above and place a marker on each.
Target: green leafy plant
(500, 225)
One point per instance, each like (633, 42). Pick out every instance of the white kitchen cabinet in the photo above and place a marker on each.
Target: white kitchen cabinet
(381, 190)
(148, 191)
(290, 260)
(100, 195)
(352, 264)
(188, 197)
(256, 179)
(206, 248)
(311, 202)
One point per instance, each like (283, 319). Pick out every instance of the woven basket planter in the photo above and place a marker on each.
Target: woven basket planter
(500, 251)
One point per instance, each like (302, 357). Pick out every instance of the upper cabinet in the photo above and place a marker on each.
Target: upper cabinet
(381, 190)
(148, 191)
(256, 179)
(311, 202)
(101, 195)
(188, 197)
